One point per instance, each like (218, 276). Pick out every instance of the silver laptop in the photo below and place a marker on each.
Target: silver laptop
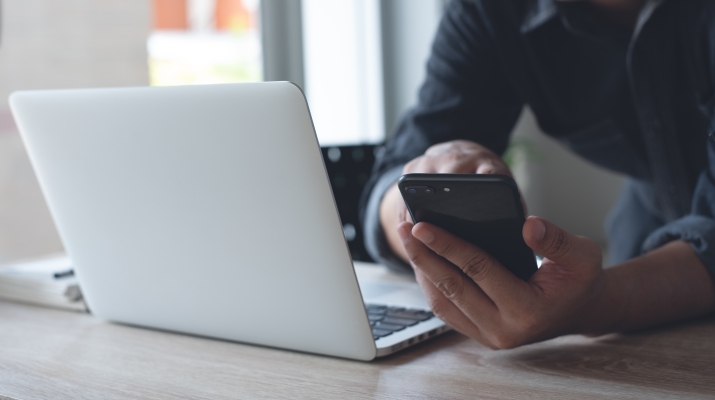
(207, 210)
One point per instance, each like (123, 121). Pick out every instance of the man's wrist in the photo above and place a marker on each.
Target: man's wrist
(389, 219)
(666, 285)
(376, 242)
(607, 307)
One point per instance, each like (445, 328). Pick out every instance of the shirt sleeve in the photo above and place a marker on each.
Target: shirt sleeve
(697, 228)
(465, 96)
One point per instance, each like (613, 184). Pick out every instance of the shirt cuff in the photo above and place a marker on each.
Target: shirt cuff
(375, 240)
(697, 230)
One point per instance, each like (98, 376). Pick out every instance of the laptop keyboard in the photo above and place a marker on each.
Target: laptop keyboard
(386, 320)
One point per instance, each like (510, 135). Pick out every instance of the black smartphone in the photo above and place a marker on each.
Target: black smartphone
(483, 209)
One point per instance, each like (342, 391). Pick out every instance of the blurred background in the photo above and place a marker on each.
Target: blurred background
(360, 63)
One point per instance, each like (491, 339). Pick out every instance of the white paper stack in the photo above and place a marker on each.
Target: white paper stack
(47, 281)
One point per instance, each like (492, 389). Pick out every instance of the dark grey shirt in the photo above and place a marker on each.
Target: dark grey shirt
(640, 102)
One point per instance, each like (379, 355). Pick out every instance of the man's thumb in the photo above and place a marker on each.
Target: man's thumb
(559, 245)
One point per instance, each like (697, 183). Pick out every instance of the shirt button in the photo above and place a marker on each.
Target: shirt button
(656, 124)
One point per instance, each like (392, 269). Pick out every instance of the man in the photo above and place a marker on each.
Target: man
(627, 84)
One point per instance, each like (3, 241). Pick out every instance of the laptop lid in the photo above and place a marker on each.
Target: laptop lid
(199, 209)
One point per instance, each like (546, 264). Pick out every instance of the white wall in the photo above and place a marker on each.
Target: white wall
(57, 44)
(562, 187)
(343, 70)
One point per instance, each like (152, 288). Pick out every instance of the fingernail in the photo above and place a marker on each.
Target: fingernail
(538, 229)
(424, 235)
(404, 235)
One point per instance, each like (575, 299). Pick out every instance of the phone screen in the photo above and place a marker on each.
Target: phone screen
(484, 210)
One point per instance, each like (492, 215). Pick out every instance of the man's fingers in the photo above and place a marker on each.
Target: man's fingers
(447, 279)
(448, 312)
(559, 245)
(461, 163)
(492, 167)
(495, 280)
(459, 157)
(456, 168)
(422, 164)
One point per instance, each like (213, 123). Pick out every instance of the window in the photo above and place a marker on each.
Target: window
(343, 70)
(204, 41)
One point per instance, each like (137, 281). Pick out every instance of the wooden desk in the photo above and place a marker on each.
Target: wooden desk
(58, 354)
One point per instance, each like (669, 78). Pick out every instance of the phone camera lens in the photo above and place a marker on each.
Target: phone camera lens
(429, 191)
(411, 190)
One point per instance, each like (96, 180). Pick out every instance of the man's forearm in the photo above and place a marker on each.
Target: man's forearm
(665, 285)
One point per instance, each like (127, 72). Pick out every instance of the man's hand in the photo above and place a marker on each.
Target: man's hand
(455, 157)
(479, 297)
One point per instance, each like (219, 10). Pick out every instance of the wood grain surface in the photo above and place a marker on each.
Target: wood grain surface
(47, 353)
